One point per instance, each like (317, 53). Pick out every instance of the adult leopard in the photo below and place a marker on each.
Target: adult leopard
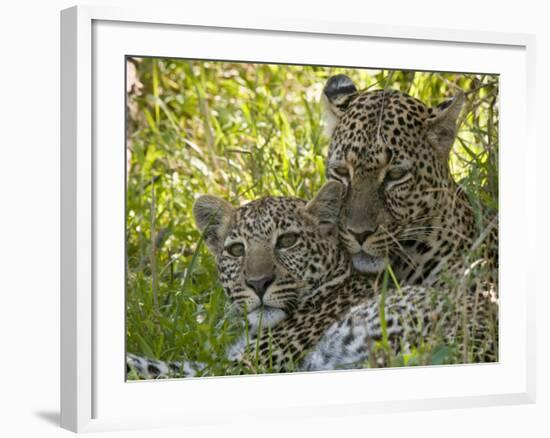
(402, 206)
(282, 265)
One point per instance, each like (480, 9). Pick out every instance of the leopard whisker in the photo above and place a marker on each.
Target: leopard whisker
(285, 282)
(439, 228)
(414, 235)
(236, 297)
(424, 218)
(283, 294)
(404, 256)
(282, 297)
(413, 238)
(400, 247)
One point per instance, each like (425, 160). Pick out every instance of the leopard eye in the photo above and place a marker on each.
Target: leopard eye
(342, 171)
(236, 249)
(396, 173)
(286, 240)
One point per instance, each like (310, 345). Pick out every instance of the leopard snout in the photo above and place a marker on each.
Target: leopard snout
(260, 285)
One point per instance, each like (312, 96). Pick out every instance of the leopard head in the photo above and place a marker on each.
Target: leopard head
(273, 252)
(390, 151)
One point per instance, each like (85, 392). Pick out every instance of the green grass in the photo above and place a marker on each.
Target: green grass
(241, 131)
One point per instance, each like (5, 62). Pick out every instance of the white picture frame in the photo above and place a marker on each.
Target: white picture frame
(94, 395)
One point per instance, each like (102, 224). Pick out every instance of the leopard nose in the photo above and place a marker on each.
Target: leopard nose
(362, 235)
(260, 285)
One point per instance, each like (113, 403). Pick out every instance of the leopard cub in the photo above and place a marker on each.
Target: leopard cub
(282, 265)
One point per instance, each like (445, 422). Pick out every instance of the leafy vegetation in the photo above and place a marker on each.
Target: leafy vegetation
(241, 131)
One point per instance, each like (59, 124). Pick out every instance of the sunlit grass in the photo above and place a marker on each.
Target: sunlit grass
(241, 131)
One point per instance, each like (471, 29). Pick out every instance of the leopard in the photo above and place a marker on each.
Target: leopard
(282, 265)
(402, 206)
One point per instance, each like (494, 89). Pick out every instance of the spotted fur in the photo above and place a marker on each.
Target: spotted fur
(401, 205)
(314, 312)
(414, 316)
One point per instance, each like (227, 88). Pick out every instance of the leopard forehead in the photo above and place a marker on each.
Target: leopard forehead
(379, 125)
(262, 218)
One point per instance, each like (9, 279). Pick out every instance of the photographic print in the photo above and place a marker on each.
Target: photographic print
(292, 218)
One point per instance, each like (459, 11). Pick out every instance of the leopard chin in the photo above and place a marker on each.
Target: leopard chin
(266, 317)
(368, 264)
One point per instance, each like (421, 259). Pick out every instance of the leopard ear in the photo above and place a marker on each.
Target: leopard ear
(325, 206)
(442, 125)
(213, 216)
(336, 97)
